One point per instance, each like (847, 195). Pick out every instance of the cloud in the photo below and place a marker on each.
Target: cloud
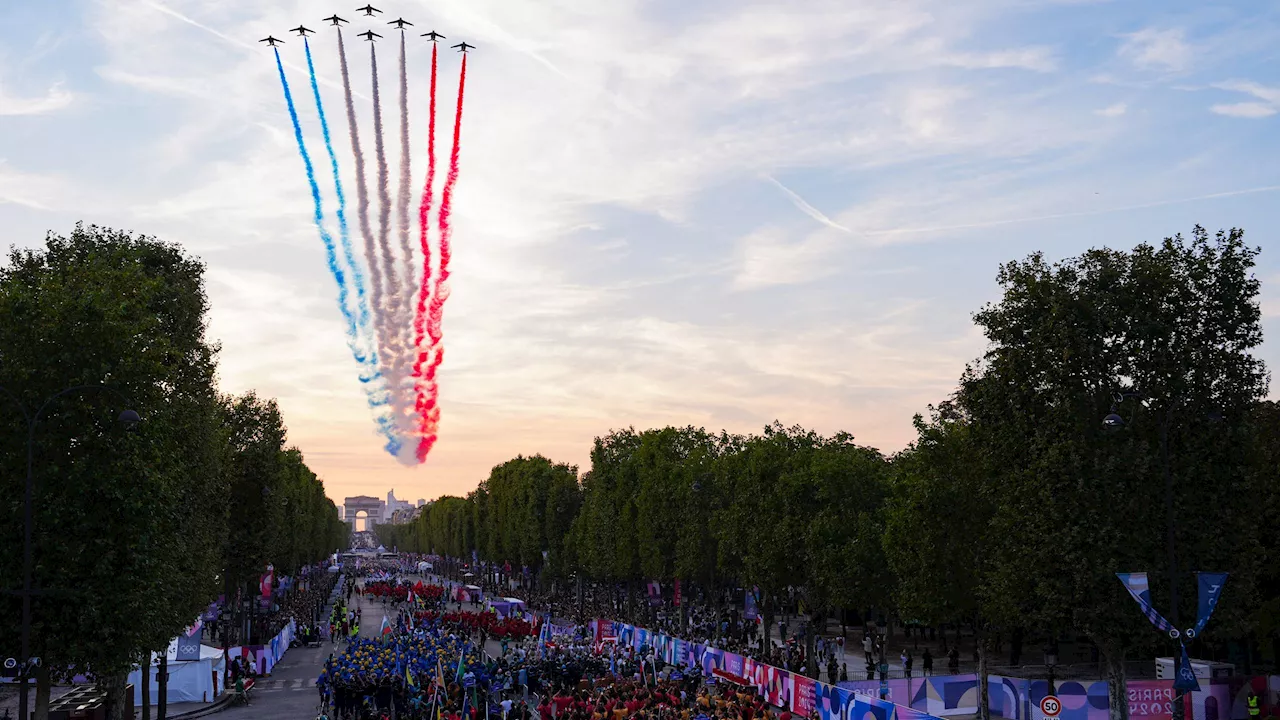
(1244, 110)
(1151, 48)
(1269, 96)
(39, 192)
(56, 98)
(1115, 110)
(769, 257)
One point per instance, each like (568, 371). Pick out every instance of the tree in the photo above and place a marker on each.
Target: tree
(127, 527)
(1175, 326)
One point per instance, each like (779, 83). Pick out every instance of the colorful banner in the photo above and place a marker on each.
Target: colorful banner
(1140, 591)
(803, 695)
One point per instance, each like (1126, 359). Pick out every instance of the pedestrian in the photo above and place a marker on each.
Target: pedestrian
(868, 647)
(906, 663)
(928, 662)
(953, 660)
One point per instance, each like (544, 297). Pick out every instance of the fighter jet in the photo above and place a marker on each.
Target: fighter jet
(369, 35)
(334, 19)
(368, 10)
(270, 41)
(463, 47)
(400, 23)
(433, 35)
(303, 31)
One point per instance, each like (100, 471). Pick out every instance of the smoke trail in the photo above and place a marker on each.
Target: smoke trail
(424, 213)
(361, 319)
(318, 216)
(362, 213)
(403, 198)
(393, 351)
(431, 410)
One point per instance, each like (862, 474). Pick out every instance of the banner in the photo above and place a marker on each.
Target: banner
(655, 593)
(676, 593)
(1136, 584)
(749, 610)
(803, 695)
(188, 648)
(1210, 590)
(264, 585)
(1186, 676)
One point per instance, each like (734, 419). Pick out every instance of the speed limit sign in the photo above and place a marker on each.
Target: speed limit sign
(1050, 706)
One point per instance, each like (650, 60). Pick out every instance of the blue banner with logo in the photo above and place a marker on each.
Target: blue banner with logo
(1210, 590)
(1186, 679)
(1140, 591)
(749, 610)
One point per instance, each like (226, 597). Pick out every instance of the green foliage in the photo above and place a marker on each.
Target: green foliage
(134, 533)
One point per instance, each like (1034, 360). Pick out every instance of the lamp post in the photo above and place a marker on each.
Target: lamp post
(1113, 422)
(129, 419)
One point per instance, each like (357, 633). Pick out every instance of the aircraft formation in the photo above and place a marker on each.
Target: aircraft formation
(368, 35)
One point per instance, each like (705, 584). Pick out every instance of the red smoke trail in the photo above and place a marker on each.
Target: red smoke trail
(424, 214)
(431, 409)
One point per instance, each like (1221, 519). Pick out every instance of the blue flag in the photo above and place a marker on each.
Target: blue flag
(1186, 679)
(1210, 590)
(1140, 591)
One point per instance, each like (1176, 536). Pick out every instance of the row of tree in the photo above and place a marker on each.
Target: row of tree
(1116, 423)
(134, 532)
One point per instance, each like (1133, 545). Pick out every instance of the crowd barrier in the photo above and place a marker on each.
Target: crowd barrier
(266, 655)
(780, 688)
(943, 696)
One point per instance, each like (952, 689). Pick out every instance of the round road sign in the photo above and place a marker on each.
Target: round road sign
(1050, 706)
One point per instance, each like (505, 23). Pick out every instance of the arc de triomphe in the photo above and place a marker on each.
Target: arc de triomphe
(371, 506)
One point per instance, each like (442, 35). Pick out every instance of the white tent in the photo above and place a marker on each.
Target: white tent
(194, 681)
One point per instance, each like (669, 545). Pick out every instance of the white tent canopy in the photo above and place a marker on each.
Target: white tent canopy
(194, 681)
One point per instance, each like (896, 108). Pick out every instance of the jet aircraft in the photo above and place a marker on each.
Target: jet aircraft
(303, 31)
(334, 19)
(368, 10)
(433, 35)
(463, 47)
(270, 41)
(369, 35)
(400, 23)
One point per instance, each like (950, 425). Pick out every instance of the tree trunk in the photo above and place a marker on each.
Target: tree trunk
(162, 702)
(766, 614)
(815, 620)
(144, 675)
(1015, 647)
(984, 691)
(42, 693)
(1117, 692)
(117, 701)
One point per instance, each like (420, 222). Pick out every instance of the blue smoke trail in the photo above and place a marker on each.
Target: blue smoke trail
(344, 233)
(378, 397)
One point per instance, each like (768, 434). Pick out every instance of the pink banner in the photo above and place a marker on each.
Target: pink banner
(803, 694)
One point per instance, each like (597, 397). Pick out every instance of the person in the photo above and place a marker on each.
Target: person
(928, 662)
(241, 695)
(844, 672)
(906, 666)
(868, 647)
(953, 660)
(1253, 705)
(902, 660)
(253, 667)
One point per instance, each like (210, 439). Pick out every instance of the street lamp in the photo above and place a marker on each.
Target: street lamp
(1113, 422)
(129, 419)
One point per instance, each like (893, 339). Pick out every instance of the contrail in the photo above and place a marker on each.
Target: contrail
(318, 216)
(424, 213)
(404, 295)
(362, 212)
(806, 208)
(223, 36)
(431, 417)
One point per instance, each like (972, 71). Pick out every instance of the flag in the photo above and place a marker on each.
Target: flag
(439, 672)
(265, 583)
(1210, 585)
(462, 664)
(386, 625)
(676, 593)
(408, 677)
(1140, 591)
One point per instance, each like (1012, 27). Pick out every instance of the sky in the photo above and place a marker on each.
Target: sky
(718, 214)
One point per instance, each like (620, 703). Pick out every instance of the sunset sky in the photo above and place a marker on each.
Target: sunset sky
(715, 213)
